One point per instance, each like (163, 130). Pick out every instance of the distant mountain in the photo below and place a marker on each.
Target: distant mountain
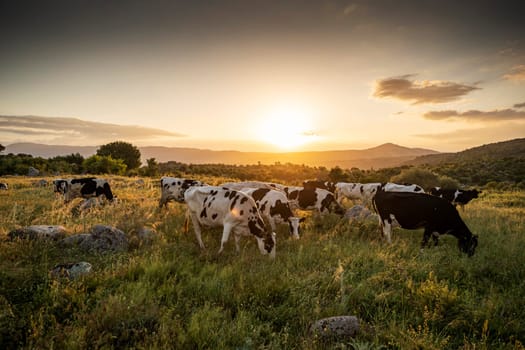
(383, 156)
(506, 149)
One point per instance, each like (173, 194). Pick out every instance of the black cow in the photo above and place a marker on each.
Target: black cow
(417, 210)
(327, 185)
(454, 195)
(86, 188)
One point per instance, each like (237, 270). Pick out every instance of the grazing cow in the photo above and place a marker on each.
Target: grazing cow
(235, 211)
(60, 186)
(393, 187)
(455, 196)
(417, 210)
(317, 199)
(252, 184)
(274, 205)
(327, 185)
(3, 186)
(86, 188)
(173, 188)
(356, 191)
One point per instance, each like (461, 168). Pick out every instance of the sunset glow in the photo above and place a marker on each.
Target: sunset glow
(264, 75)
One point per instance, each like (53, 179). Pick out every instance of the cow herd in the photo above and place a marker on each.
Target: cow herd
(254, 208)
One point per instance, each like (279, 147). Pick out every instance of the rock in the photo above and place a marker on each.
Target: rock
(140, 182)
(32, 171)
(337, 326)
(357, 212)
(48, 232)
(40, 183)
(71, 270)
(100, 239)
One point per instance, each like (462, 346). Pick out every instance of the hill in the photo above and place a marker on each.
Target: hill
(383, 156)
(493, 151)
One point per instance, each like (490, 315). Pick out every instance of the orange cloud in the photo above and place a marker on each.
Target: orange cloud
(475, 115)
(517, 73)
(419, 92)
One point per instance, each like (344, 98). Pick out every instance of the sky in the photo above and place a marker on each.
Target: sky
(263, 75)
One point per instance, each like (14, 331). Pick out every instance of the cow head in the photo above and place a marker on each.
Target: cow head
(174, 188)
(294, 226)
(468, 243)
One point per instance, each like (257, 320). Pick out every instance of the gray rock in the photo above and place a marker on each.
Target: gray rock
(357, 212)
(147, 235)
(71, 270)
(47, 232)
(336, 326)
(139, 182)
(100, 239)
(40, 183)
(32, 171)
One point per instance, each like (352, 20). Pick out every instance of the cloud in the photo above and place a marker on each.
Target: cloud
(517, 73)
(72, 130)
(426, 91)
(519, 105)
(473, 137)
(475, 115)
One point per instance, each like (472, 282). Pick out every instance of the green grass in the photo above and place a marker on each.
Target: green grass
(170, 294)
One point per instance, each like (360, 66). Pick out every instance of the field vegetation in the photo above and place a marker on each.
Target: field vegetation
(170, 294)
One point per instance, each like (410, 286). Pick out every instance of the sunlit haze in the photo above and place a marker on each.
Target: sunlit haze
(263, 75)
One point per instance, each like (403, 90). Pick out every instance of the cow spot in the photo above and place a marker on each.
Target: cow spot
(203, 213)
(214, 216)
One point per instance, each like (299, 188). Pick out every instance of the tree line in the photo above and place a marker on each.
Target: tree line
(122, 158)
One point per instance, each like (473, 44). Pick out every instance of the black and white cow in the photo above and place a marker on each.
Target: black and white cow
(327, 185)
(4, 186)
(86, 188)
(417, 210)
(60, 186)
(455, 196)
(366, 192)
(274, 205)
(173, 188)
(317, 199)
(252, 184)
(235, 211)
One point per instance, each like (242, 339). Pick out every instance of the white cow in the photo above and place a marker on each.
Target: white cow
(274, 205)
(367, 191)
(173, 188)
(253, 184)
(235, 211)
(87, 187)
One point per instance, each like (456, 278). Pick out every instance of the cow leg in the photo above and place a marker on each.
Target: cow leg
(197, 229)
(187, 222)
(426, 235)
(435, 238)
(225, 235)
(387, 229)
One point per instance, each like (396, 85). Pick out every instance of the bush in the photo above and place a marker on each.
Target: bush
(422, 177)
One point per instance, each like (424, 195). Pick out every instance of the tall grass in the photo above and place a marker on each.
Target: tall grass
(170, 294)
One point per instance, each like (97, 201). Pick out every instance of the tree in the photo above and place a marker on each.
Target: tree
(121, 150)
(104, 165)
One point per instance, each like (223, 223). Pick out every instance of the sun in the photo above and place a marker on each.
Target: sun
(287, 127)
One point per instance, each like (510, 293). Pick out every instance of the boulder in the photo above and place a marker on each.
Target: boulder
(139, 182)
(100, 239)
(336, 327)
(32, 171)
(40, 183)
(71, 270)
(47, 232)
(358, 212)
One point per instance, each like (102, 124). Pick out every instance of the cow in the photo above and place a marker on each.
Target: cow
(273, 205)
(366, 192)
(356, 191)
(235, 211)
(86, 188)
(60, 186)
(173, 188)
(418, 210)
(252, 184)
(455, 196)
(4, 186)
(327, 185)
(317, 199)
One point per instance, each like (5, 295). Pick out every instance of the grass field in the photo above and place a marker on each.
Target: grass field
(169, 294)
